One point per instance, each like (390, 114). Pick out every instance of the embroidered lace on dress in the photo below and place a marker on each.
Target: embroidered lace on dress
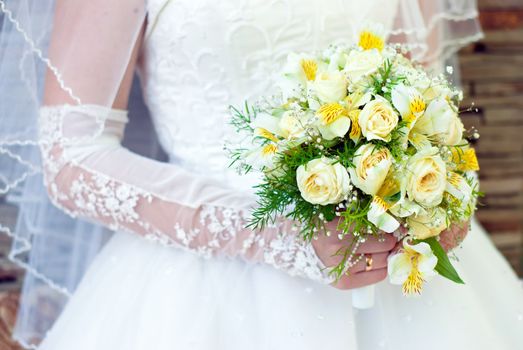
(89, 174)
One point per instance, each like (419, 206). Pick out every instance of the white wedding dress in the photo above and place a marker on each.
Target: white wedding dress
(181, 272)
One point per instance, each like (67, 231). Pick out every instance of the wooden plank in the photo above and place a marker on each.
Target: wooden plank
(496, 18)
(511, 217)
(497, 227)
(492, 67)
(500, 168)
(472, 119)
(508, 239)
(496, 88)
(496, 141)
(505, 186)
(8, 309)
(503, 116)
(499, 4)
(501, 41)
(511, 101)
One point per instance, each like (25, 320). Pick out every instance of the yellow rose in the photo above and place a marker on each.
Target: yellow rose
(322, 181)
(441, 122)
(371, 168)
(427, 223)
(330, 86)
(426, 178)
(377, 120)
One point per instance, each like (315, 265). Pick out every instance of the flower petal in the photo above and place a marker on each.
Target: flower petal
(398, 268)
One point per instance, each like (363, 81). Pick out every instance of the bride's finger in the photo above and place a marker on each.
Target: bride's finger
(379, 261)
(361, 279)
(381, 244)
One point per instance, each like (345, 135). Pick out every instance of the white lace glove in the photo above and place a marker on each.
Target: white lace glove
(89, 174)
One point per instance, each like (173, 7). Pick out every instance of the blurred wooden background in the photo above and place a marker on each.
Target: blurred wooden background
(492, 75)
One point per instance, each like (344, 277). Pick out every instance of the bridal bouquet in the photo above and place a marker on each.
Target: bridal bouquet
(362, 134)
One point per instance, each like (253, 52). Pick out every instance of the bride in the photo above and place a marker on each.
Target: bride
(181, 271)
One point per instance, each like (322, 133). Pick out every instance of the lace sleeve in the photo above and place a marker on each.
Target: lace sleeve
(98, 179)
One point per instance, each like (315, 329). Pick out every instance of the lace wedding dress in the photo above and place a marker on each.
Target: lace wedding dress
(181, 271)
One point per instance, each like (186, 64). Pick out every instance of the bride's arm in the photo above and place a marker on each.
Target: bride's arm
(89, 174)
(98, 179)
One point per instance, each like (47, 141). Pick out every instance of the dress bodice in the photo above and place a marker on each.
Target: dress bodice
(199, 57)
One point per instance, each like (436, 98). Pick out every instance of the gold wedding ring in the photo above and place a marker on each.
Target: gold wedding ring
(368, 262)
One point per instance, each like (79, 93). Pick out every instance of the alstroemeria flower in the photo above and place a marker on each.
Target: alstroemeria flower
(372, 36)
(290, 125)
(409, 102)
(379, 216)
(411, 105)
(299, 72)
(263, 156)
(333, 121)
(411, 267)
(441, 123)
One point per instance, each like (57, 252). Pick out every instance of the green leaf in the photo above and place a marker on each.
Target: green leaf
(444, 266)
(394, 198)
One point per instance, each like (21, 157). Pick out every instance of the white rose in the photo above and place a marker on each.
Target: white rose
(427, 223)
(371, 168)
(292, 126)
(322, 181)
(330, 86)
(362, 63)
(377, 119)
(426, 178)
(441, 122)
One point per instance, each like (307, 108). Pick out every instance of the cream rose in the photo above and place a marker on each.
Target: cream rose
(330, 86)
(371, 168)
(291, 125)
(441, 122)
(377, 119)
(362, 63)
(323, 181)
(426, 178)
(427, 223)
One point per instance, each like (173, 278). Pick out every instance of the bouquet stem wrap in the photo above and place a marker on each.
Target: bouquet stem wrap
(363, 298)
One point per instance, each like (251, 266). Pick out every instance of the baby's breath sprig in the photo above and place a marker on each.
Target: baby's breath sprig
(241, 119)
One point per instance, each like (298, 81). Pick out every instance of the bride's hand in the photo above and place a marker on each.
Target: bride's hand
(379, 250)
(454, 235)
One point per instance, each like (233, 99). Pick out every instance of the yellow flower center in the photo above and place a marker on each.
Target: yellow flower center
(454, 179)
(310, 67)
(381, 203)
(427, 182)
(266, 134)
(389, 187)
(313, 186)
(414, 283)
(355, 130)
(409, 118)
(417, 105)
(269, 149)
(369, 40)
(330, 112)
(465, 160)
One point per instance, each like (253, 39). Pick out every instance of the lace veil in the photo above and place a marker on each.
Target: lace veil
(54, 248)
